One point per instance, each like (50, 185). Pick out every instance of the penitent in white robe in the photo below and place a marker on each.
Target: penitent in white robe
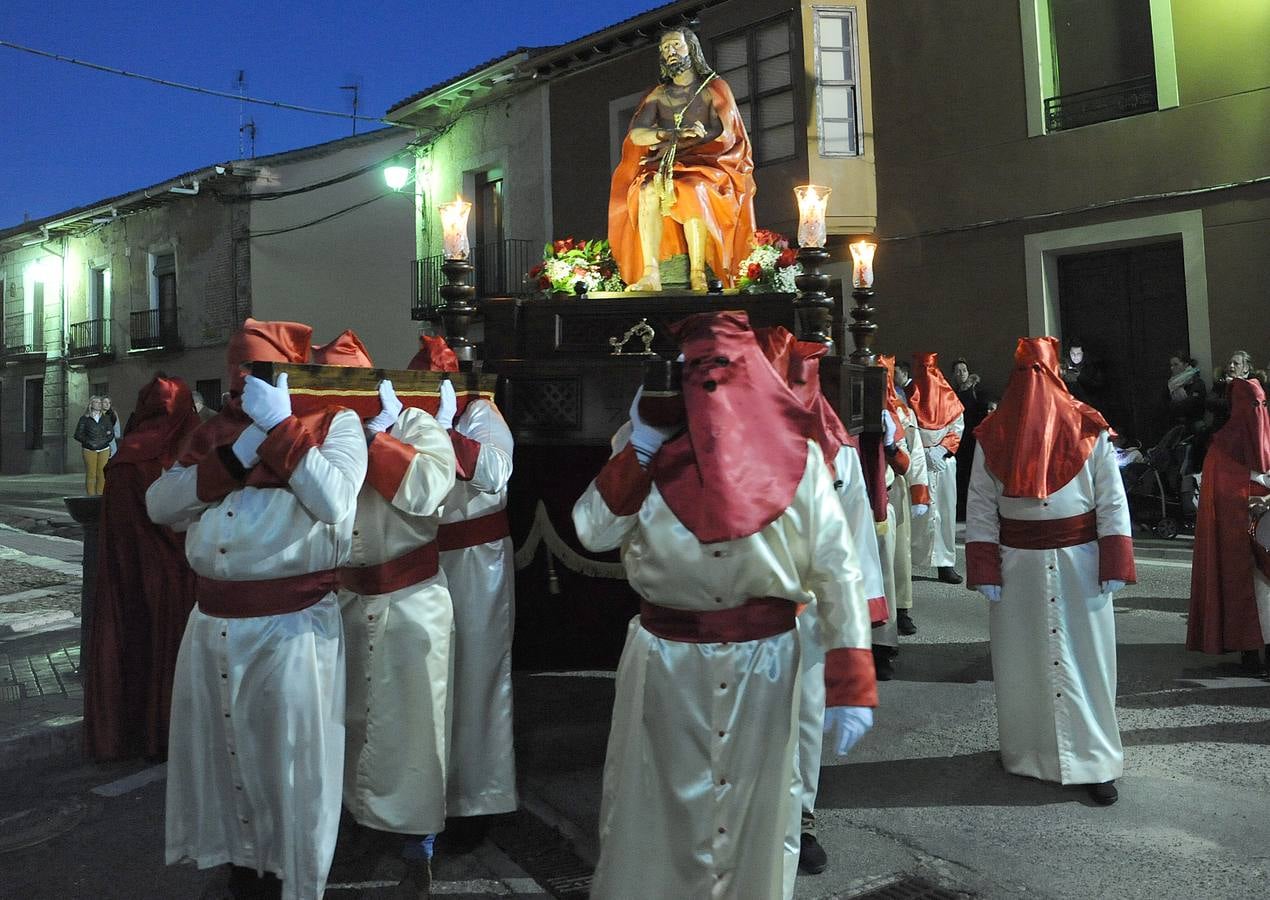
(399, 642)
(904, 489)
(256, 751)
(934, 541)
(1053, 632)
(849, 486)
(482, 776)
(698, 798)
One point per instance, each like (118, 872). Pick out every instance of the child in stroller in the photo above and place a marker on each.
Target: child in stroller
(1160, 484)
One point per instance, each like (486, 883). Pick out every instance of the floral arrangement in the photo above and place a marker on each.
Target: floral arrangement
(771, 265)
(566, 262)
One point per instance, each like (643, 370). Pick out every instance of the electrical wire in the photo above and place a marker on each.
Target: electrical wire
(277, 104)
(321, 219)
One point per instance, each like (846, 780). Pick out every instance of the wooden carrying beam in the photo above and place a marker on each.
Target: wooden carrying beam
(317, 387)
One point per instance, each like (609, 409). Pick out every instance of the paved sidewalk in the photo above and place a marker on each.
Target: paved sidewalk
(34, 503)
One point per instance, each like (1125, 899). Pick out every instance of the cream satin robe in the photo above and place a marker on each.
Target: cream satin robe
(256, 751)
(849, 485)
(1054, 631)
(935, 540)
(399, 644)
(482, 777)
(900, 491)
(698, 799)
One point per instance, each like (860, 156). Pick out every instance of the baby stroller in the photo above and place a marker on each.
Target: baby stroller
(1161, 487)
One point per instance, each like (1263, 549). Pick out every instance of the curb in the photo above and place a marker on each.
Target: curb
(54, 739)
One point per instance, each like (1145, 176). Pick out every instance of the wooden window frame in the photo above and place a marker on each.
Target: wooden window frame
(750, 33)
(851, 15)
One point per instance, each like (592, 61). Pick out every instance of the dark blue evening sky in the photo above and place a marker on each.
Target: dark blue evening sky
(73, 136)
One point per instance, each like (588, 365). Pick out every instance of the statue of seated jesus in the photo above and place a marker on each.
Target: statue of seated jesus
(685, 182)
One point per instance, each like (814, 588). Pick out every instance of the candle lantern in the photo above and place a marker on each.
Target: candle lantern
(812, 199)
(863, 329)
(454, 227)
(458, 292)
(814, 306)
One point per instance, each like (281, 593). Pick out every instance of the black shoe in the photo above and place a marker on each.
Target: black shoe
(948, 575)
(904, 622)
(812, 857)
(1250, 663)
(882, 667)
(1104, 793)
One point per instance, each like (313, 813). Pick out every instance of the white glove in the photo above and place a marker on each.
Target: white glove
(1261, 478)
(935, 458)
(991, 591)
(267, 404)
(248, 443)
(920, 509)
(390, 409)
(1111, 586)
(646, 439)
(844, 725)
(449, 405)
(888, 428)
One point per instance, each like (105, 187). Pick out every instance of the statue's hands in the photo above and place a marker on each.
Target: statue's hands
(695, 131)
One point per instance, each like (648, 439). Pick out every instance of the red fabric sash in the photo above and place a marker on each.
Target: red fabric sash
(757, 618)
(264, 597)
(411, 568)
(474, 532)
(1049, 534)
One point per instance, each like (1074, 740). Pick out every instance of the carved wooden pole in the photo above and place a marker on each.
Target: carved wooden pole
(863, 329)
(814, 306)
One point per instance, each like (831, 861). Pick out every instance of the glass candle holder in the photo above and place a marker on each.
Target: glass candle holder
(454, 228)
(812, 199)
(862, 264)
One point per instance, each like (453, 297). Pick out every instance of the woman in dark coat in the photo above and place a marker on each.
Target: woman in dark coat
(145, 588)
(978, 403)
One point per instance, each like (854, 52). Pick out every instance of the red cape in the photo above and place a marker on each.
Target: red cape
(145, 588)
(713, 181)
(1223, 609)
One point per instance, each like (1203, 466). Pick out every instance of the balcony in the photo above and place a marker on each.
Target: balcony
(154, 329)
(1102, 104)
(498, 271)
(16, 347)
(89, 342)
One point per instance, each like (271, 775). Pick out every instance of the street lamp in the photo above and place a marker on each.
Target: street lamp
(396, 176)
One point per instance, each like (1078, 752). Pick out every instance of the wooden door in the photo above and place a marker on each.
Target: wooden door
(1128, 307)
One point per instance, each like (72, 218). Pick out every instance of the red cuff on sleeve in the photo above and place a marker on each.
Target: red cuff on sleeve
(1115, 559)
(878, 613)
(950, 442)
(285, 446)
(466, 451)
(919, 493)
(983, 563)
(214, 480)
(898, 461)
(624, 483)
(387, 460)
(850, 679)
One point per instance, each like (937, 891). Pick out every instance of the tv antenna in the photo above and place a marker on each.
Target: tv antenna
(240, 83)
(355, 87)
(247, 129)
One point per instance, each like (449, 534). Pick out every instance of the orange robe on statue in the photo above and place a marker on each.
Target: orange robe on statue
(713, 181)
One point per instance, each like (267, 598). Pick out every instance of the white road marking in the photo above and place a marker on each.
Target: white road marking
(130, 783)
(42, 562)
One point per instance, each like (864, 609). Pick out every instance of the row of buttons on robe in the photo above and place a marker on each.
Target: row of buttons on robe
(225, 677)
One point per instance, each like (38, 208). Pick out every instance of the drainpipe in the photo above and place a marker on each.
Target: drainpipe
(66, 369)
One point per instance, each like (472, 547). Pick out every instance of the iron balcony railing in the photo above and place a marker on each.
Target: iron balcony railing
(15, 341)
(152, 329)
(498, 270)
(1112, 101)
(91, 338)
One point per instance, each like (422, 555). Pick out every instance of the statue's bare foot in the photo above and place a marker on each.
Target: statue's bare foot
(697, 281)
(650, 282)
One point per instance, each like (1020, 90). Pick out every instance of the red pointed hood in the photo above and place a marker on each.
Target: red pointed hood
(345, 350)
(735, 469)
(1039, 437)
(434, 355)
(1245, 438)
(930, 396)
(163, 418)
(260, 341)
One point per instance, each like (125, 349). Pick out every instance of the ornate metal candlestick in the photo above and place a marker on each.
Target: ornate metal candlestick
(814, 306)
(458, 311)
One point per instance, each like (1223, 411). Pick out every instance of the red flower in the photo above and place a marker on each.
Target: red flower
(563, 246)
(787, 258)
(536, 270)
(764, 237)
(754, 272)
(544, 282)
